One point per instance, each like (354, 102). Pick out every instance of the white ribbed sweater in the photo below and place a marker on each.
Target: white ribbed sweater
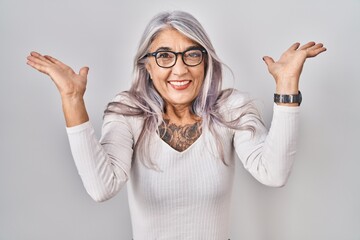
(190, 197)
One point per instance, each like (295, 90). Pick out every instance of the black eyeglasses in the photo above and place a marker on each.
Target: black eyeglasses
(167, 59)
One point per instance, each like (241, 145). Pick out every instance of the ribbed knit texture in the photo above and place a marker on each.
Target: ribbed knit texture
(189, 198)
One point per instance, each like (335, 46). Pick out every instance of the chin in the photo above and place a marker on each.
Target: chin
(180, 101)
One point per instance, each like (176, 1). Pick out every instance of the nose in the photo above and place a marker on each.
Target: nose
(179, 68)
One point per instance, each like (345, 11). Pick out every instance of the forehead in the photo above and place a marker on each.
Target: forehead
(172, 39)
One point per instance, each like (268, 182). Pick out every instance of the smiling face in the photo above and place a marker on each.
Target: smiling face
(180, 84)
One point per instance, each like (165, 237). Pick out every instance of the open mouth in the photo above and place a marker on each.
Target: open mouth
(180, 85)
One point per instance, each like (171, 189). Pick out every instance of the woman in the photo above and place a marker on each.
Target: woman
(175, 134)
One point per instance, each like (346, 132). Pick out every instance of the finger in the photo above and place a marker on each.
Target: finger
(315, 52)
(38, 67)
(54, 60)
(315, 46)
(268, 60)
(84, 71)
(39, 56)
(35, 54)
(295, 46)
(306, 46)
(37, 60)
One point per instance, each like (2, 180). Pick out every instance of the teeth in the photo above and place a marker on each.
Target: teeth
(179, 83)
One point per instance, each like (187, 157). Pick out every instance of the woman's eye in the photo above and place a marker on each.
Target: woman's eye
(164, 55)
(194, 54)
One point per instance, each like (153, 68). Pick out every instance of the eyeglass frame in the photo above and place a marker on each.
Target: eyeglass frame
(153, 54)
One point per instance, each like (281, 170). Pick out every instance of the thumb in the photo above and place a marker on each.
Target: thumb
(84, 71)
(268, 60)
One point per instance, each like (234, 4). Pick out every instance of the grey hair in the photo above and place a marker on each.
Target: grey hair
(148, 104)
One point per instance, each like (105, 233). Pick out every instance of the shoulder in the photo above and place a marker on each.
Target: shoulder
(230, 99)
(123, 98)
(125, 103)
(124, 107)
(234, 106)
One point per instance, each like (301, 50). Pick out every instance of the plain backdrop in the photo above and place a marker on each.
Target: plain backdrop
(41, 194)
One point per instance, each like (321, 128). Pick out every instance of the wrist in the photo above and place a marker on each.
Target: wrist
(288, 86)
(70, 100)
(74, 111)
(287, 90)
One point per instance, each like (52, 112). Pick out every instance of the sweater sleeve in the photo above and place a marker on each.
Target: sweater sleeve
(269, 155)
(104, 165)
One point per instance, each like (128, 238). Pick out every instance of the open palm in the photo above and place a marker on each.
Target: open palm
(286, 71)
(69, 83)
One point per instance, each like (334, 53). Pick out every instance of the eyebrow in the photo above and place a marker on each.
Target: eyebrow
(163, 49)
(169, 49)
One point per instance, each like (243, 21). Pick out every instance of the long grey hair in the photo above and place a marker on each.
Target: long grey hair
(149, 105)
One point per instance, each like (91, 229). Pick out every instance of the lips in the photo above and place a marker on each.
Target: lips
(180, 84)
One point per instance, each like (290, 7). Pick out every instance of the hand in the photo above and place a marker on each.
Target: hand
(286, 71)
(69, 83)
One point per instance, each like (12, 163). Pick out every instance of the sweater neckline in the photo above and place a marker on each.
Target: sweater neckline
(193, 145)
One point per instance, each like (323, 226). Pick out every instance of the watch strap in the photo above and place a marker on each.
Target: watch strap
(288, 98)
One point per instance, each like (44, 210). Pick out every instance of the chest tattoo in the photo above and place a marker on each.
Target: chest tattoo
(180, 137)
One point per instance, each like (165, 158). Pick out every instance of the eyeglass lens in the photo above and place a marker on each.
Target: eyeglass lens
(191, 57)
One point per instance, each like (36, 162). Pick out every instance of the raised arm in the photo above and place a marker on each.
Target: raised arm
(269, 155)
(70, 85)
(104, 166)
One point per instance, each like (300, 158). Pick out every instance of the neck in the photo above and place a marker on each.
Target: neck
(180, 114)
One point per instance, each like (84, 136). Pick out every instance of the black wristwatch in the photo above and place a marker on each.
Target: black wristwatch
(283, 98)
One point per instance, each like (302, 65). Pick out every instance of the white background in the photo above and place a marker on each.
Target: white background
(41, 194)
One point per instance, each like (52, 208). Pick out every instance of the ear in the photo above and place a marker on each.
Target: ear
(148, 68)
